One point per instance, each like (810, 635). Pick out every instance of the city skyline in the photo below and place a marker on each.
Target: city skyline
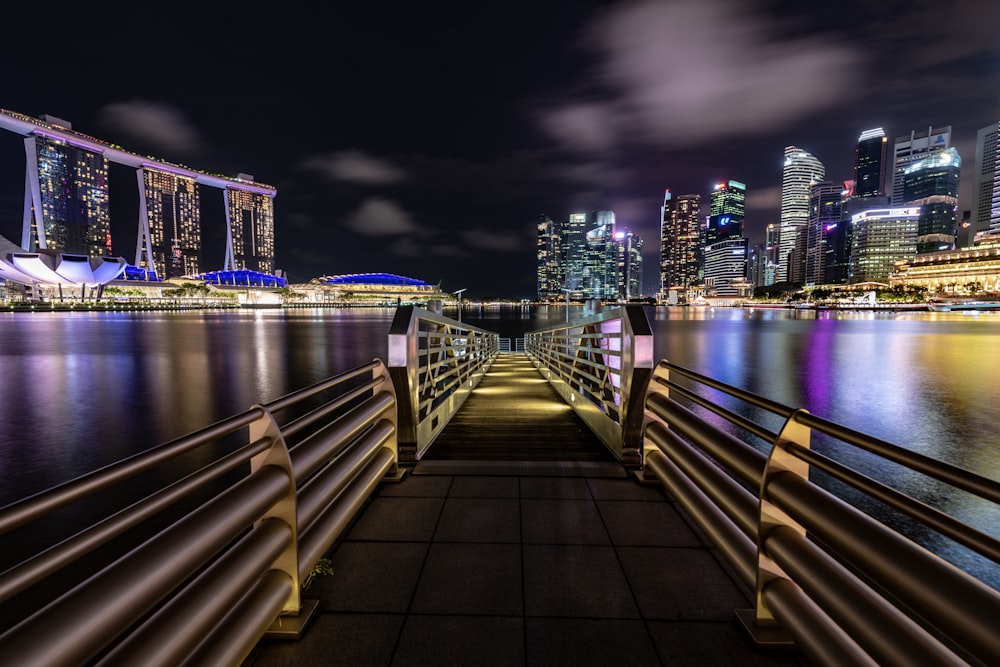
(429, 143)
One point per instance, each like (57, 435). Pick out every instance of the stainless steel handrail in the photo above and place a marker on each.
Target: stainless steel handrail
(435, 363)
(847, 588)
(227, 568)
(600, 365)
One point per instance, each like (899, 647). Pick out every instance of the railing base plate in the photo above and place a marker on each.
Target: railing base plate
(292, 627)
(646, 481)
(395, 476)
(764, 636)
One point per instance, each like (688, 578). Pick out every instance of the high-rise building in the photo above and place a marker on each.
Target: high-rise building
(932, 184)
(870, 163)
(801, 170)
(679, 239)
(824, 220)
(573, 250)
(602, 257)
(250, 229)
(550, 278)
(772, 239)
(727, 210)
(986, 196)
(629, 265)
(880, 238)
(169, 238)
(911, 148)
(724, 241)
(67, 187)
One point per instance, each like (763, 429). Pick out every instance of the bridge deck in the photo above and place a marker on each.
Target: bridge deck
(522, 562)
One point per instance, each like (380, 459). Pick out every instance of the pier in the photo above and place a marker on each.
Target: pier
(578, 502)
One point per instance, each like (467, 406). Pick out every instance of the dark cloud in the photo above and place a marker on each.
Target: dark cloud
(162, 126)
(355, 166)
(377, 216)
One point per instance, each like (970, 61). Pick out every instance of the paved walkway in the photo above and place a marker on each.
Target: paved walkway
(522, 569)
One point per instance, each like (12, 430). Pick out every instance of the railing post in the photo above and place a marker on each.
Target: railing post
(636, 369)
(286, 508)
(403, 353)
(772, 516)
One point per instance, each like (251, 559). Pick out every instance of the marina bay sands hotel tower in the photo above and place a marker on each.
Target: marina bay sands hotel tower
(66, 204)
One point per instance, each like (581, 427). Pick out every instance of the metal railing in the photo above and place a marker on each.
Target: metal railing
(435, 363)
(847, 588)
(225, 572)
(508, 345)
(600, 366)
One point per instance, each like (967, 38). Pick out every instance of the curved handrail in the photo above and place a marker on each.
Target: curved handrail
(840, 582)
(226, 567)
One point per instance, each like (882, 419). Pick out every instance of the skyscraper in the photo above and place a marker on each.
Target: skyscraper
(169, 239)
(881, 237)
(986, 195)
(824, 220)
(250, 229)
(679, 238)
(725, 249)
(801, 170)
(932, 184)
(629, 265)
(573, 251)
(727, 210)
(67, 187)
(870, 163)
(911, 148)
(550, 278)
(602, 256)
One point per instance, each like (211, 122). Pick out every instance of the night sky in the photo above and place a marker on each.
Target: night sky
(424, 139)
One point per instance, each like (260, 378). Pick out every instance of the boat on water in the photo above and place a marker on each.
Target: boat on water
(952, 305)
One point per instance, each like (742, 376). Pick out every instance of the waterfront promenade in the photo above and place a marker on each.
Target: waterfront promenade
(488, 555)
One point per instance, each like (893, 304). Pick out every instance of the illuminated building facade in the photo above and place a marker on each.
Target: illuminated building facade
(912, 148)
(986, 195)
(870, 163)
(550, 278)
(629, 248)
(725, 267)
(66, 199)
(573, 239)
(824, 222)
(66, 209)
(679, 243)
(879, 239)
(169, 239)
(602, 257)
(932, 184)
(727, 210)
(801, 169)
(250, 229)
(970, 270)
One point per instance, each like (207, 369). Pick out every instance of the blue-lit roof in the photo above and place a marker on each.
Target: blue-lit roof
(243, 277)
(374, 279)
(136, 273)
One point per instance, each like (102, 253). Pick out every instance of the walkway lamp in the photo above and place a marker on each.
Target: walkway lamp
(567, 291)
(458, 293)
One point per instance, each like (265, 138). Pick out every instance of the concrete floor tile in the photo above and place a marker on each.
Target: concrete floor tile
(370, 577)
(359, 640)
(417, 486)
(632, 523)
(624, 489)
(470, 579)
(582, 642)
(436, 641)
(575, 581)
(681, 584)
(398, 519)
(546, 521)
(555, 487)
(484, 487)
(695, 644)
(479, 520)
